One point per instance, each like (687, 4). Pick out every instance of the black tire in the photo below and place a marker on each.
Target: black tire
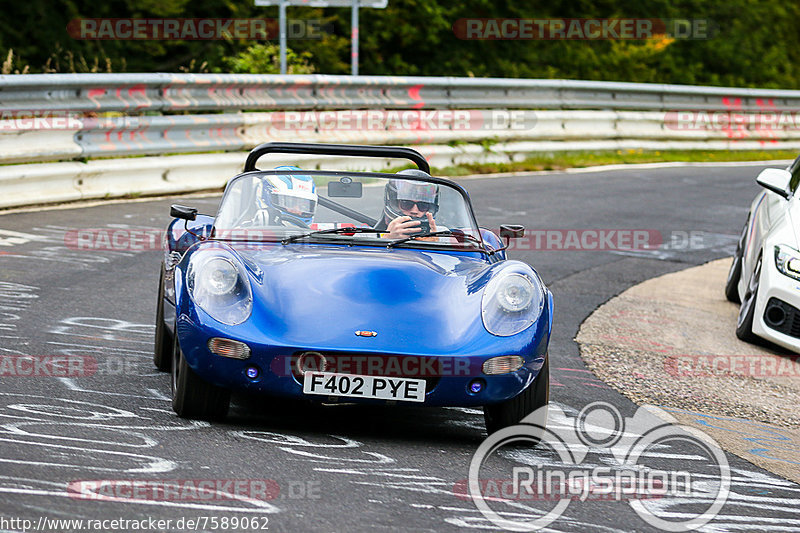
(162, 351)
(747, 311)
(192, 397)
(735, 272)
(511, 411)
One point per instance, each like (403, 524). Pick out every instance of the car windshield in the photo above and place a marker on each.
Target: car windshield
(305, 206)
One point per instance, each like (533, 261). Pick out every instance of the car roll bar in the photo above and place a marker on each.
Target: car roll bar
(399, 152)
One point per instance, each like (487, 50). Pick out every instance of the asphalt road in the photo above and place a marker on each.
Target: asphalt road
(339, 468)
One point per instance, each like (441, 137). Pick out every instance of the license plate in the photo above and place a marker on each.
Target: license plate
(355, 386)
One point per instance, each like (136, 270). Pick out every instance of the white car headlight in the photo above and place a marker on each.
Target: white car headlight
(515, 293)
(220, 286)
(219, 276)
(512, 301)
(787, 261)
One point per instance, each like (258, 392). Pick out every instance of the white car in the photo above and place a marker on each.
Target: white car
(765, 273)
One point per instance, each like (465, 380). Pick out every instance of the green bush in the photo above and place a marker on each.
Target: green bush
(265, 59)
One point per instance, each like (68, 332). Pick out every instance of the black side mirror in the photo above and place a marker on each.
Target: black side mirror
(508, 232)
(182, 211)
(511, 231)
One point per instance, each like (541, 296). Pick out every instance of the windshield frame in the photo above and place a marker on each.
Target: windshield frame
(472, 246)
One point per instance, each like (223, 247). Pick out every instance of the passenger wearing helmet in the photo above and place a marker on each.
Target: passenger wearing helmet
(409, 206)
(288, 198)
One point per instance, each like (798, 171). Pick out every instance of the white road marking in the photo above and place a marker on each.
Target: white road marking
(71, 385)
(16, 237)
(158, 395)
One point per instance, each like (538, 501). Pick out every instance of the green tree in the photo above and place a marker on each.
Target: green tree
(265, 59)
(754, 44)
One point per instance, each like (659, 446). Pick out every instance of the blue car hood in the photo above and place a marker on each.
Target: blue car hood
(319, 296)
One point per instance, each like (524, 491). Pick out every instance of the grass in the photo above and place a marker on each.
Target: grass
(564, 160)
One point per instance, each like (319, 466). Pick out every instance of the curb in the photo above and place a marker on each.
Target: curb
(670, 341)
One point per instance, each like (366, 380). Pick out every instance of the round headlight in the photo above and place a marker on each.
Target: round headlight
(512, 301)
(219, 276)
(219, 286)
(515, 293)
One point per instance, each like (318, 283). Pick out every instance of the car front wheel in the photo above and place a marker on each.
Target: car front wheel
(162, 351)
(192, 397)
(513, 410)
(735, 272)
(744, 325)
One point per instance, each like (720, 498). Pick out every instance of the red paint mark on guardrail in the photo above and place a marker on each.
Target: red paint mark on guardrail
(413, 93)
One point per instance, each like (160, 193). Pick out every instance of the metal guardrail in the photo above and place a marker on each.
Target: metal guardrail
(108, 178)
(140, 93)
(152, 114)
(177, 134)
(162, 134)
(102, 116)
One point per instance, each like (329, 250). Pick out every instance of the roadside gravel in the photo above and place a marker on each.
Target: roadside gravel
(670, 342)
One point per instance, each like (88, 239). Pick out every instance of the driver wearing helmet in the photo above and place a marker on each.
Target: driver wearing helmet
(409, 206)
(288, 198)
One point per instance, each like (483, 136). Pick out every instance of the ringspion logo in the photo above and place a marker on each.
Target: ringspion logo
(635, 469)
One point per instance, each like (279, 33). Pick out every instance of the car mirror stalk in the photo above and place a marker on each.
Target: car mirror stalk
(508, 232)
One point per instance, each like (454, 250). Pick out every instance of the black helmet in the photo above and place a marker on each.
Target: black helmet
(419, 192)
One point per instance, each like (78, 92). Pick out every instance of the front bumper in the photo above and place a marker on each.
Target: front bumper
(774, 284)
(447, 387)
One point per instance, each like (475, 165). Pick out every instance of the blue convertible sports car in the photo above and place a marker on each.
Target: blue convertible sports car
(334, 286)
